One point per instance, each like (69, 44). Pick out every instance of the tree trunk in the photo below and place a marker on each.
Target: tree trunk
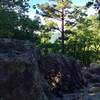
(62, 32)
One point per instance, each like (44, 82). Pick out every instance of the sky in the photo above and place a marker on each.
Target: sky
(76, 2)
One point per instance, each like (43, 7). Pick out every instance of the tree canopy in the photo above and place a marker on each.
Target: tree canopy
(58, 10)
(15, 23)
(67, 29)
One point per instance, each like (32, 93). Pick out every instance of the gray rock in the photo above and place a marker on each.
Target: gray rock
(66, 70)
(20, 78)
(95, 68)
(25, 74)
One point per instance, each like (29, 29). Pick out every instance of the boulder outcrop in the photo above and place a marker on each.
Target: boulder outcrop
(63, 74)
(19, 73)
(26, 74)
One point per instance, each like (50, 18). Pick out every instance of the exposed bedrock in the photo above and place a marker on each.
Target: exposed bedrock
(25, 74)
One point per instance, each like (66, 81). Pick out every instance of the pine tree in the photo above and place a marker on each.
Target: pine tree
(56, 9)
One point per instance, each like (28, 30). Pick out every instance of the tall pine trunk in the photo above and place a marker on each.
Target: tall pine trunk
(62, 31)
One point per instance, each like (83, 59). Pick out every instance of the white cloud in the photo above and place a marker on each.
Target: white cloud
(91, 11)
(31, 14)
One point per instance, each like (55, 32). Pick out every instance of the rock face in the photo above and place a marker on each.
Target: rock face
(25, 74)
(19, 74)
(63, 74)
(92, 74)
(95, 68)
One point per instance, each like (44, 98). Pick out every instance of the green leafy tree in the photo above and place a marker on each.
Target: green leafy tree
(8, 21)
(45, 33)
(20, 6)
(14, 23)
(85, 43)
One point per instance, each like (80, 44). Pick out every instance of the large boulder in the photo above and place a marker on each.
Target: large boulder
(63, 74)
(92, 73)
(94, 68)
(25, 74)
(20, 78)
